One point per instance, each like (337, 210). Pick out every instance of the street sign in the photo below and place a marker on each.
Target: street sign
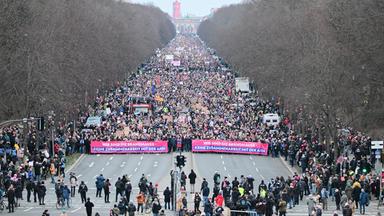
(377, 144)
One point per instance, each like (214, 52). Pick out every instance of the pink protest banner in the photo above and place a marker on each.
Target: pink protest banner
(236, 147)
(123, 147)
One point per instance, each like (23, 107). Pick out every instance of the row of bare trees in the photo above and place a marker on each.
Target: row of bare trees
(323, 57)
(55, 54)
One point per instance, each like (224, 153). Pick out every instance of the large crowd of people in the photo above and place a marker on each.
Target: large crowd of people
(187, 92)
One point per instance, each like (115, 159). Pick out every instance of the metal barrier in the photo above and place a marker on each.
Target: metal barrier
(241, 212)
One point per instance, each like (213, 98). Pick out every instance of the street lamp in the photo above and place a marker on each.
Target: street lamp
(51, 124)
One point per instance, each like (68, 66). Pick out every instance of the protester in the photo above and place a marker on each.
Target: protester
(192, 180)
(106, 186)
(128, 190)
(83, 189)
(167, 198)
(73, 182)
(140, 202)
(99, 185)
(88, 206)
(363, 201)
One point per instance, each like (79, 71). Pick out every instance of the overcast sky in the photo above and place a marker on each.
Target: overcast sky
(194, 7)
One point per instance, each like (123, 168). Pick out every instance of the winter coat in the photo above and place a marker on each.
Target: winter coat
(311, 205)
(66, 192)
(167, 195)
(282, 206)
(83, 188)
(156, 207)
(192, 178)
(73, 181)
(219, 200)
(205, 191)
(363, 198)
(41, 190)
(100, 182)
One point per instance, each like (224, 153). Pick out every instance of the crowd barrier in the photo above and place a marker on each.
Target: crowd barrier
(208, 146)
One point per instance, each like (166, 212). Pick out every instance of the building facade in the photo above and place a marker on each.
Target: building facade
(187, 24)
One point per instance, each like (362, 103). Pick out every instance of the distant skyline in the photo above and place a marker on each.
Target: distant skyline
(192, 7)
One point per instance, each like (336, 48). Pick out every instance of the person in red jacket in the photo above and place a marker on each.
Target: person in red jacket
(56, 148)
(219, 200)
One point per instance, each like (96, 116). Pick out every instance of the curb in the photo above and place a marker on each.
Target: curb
(291, 169)
(75, 164)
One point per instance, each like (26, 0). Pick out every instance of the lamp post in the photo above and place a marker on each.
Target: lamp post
(51, 123)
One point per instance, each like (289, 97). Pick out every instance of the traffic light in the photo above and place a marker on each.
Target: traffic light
(183, 160)
(366, 169)
(180, 160)
(40, 124)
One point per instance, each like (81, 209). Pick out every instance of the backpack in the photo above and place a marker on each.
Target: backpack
(57, 187)
(243, 202)
(318, 212)
(324, 194)
(133, 208)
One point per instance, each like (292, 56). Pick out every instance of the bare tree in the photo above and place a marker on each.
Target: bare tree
(56, 54)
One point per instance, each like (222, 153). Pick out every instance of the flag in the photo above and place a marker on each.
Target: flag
(153, 90)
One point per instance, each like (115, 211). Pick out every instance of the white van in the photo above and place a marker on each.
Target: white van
(271, 119)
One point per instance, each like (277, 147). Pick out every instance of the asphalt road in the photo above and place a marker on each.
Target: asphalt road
(259, 167)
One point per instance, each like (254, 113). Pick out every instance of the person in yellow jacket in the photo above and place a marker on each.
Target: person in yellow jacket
(52, 170)
(241, 191)
(356, 184)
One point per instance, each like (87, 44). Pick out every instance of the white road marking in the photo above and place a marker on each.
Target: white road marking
(221, 156)
(229, 176)
(138, 164)
(28, 209)
(141, 158)
(254, 164)
(136, 169)
(91, 165)
(262, 176)
(257, 169)
(79, 176)
(157, 154)
(76, 210)
(98, 155)
(155, 165)
(223, 162)
(149, 175)
(130, 175)
(107, 163)
(111, 158)
(250, 158)
(102, 169)
(225, 168)
(122, 164)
